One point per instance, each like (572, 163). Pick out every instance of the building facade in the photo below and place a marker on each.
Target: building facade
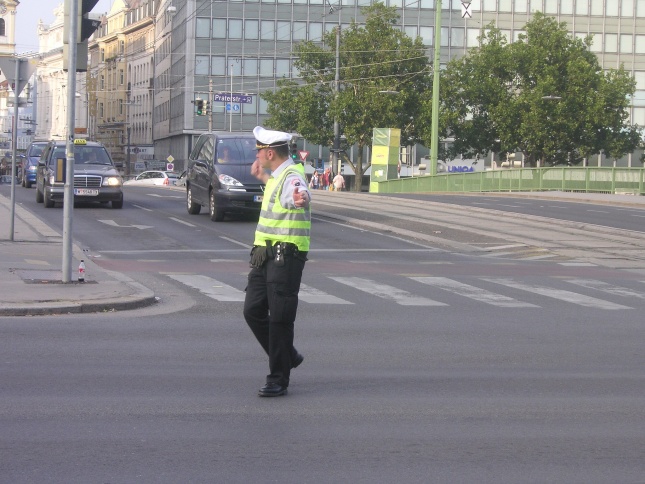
(152, 59)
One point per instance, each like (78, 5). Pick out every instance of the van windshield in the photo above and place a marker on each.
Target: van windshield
(239, 151)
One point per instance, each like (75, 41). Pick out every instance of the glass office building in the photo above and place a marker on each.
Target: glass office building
(245, 47)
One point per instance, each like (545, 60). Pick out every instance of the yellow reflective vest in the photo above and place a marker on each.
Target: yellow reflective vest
(280, 224)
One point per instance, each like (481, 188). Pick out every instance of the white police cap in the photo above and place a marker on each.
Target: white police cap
(267, 137)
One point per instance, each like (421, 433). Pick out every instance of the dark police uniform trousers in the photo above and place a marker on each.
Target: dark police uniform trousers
(270, 310)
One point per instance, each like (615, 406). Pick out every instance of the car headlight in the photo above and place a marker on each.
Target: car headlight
(32, 168)
(229, 181)
(112, 181)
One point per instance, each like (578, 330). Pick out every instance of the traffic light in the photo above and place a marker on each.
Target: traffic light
(85, 27)
(294, 151)
(200, 106)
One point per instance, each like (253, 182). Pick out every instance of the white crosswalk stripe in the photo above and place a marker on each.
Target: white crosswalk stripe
(210, 287)
(473, 292)
(608, 288)
(384, 291)
(313, 296)
(560, 294)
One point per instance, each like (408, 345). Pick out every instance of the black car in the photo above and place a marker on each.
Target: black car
(29, 163)
(219, 176)
(95, 177)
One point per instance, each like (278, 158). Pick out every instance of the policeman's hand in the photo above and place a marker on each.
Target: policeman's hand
(300, 199)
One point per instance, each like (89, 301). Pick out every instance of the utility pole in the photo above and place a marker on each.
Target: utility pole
(434, 148)
(336, 148)
(68, 190)
(210, 104)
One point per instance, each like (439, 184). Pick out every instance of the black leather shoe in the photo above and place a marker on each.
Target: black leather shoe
(295, 363)
(272, 390)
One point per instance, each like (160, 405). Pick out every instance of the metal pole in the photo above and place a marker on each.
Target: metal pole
(335, 157)
(14, 142)
(127, 124)
(231, 103)
(68, 196)
(434, 148)
(210, 104)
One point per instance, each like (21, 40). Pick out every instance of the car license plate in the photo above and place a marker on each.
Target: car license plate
(258, 198)
(85, 192)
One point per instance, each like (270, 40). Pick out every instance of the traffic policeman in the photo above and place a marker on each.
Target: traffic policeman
(278, 257)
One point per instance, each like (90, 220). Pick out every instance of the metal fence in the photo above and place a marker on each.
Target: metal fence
(571, 179)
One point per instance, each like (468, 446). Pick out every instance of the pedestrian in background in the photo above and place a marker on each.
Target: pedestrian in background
(339, 182)
(278, 257)
(326, 179)
(314, 183)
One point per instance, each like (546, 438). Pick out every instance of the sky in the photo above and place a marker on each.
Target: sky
(29, 12)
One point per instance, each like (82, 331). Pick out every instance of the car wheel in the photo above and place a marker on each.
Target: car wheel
(39, 196)
(193, 208)
(49, 203)
(26, 183)
(117, 203)
(217, 215)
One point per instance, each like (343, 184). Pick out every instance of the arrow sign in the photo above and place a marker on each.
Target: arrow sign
(112, 223)
(466, 11)
(303, 155)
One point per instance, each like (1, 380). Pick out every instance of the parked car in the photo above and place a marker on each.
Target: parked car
(29, 163)
(154, 178)
(219, 176)
(181, 181)
(96, 179)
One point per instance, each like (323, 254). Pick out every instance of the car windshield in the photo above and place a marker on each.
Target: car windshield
(36, 150)
(91, 155)
(236, 150)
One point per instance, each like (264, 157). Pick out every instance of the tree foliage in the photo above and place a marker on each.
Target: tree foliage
(545, 95)
(374, 57)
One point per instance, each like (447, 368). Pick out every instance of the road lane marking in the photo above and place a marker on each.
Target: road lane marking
(246, 246)
(311, 295)
(210, 287)
(143, 208)
(472, 292)
(384, 291)
(606, 287)
(560, 294)
(182, 221)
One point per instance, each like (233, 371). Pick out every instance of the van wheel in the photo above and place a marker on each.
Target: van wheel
(217, 215)
(39, 196)
(26, 183)
(49, 203)
(193, 208)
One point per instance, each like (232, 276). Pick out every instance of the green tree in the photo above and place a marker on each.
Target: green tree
(545, 95)
(374, 57)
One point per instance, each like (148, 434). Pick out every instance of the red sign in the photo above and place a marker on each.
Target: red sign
(303, 155)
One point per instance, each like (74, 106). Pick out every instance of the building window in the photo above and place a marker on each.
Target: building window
(266, 67)
(2, 27)
(457, 37)
(202, 28)
(411, 31)
(505, 5)
(283, 31)
(626, 44)
(299, 31)
(101, 110)
(120, 106)
(251, 29)
(640, 44)
(121, 77)
(596, 7)
(315, 31)
(427, 34)
(267, 31)
(445, 36)
(611, 42)
(596, 45)
(201, 65)
(282, 68)
(250, 67)
(121, 46)
(102, 82)
(219, 28)
(218, 65)
(102, 55)
(234, 29)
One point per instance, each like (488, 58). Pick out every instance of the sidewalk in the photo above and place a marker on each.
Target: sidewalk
(31, 273)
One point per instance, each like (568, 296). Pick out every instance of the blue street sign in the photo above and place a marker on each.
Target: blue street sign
(235, 97)
(235, 108)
